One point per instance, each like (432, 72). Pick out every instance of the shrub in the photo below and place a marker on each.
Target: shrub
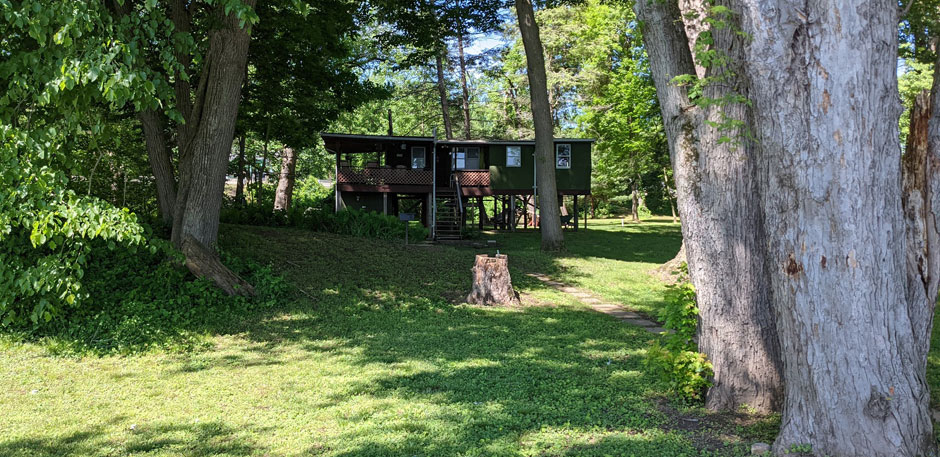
(677, 359)
(317, 214)
(141, 300)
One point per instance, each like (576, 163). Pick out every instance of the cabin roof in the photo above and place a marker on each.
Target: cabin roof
(345, 143)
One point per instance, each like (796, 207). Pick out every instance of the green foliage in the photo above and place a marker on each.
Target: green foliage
(677, 359)
(320, 217)
(62, 59)
(917, 77)
(144, 300)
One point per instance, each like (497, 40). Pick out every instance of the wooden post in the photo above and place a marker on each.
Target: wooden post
(491, 282)
(495, 214)
(525, 213)
(576, 215)
(512, 213)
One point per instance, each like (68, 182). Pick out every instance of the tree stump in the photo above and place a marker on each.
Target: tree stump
(491, 282)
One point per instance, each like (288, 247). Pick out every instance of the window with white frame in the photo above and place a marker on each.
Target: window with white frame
(513, 156)
(466, 158)
(418, 157)
(563, 156)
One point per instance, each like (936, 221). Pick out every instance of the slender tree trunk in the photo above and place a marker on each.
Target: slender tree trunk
(259, 186)
(852, 302)
(722, 225)
(635, 207)
(240, 183)
(158, 154)
(211, 127)
(285, 183)
(442, 91)
(552, 235)
(463, 84)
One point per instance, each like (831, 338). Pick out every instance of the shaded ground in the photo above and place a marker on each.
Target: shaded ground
(374, 359)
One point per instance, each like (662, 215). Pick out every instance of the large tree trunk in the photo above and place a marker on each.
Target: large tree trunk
(211, 129)
(158, 153)
(442, 92)
(285, 183)
(823, 82)
(722, 225)
(550, 214)
(463, 83)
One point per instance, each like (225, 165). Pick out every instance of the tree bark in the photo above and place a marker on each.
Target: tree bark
(211, 128)
(852, 303)
(158, 154)
(492, 284)
(442, 91)
(552, 235)
(240, 182)
(285, 183)
(463, 83)
(635, 206)
(722, 225)
(204, 263)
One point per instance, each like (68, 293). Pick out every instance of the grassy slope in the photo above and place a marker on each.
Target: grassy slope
(378, 362)
(608, 259)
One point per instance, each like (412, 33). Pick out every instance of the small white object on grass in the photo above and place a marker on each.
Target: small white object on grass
(760, 449)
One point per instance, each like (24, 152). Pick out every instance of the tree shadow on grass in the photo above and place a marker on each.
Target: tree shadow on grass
(193, 440)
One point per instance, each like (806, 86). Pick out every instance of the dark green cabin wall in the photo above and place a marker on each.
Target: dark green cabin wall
(578, 177)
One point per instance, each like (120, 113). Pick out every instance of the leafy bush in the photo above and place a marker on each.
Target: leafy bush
(142, 300)
(677, 360)
(316, 213)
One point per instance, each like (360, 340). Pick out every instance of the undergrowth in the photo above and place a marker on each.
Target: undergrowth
(141, 300)
(677, 360)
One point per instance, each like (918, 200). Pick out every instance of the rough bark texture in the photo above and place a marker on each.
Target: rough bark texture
(210, 131)
(442, 92)
(552, 236)
(204, 263)
(158, 153)
(285, 183)
(721, 221)
(823, 83)
(463, 84)
(694, 13)
(668, 272)
(491, 282)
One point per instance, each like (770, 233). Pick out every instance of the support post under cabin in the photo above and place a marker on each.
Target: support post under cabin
(576, 215)
(512, 213)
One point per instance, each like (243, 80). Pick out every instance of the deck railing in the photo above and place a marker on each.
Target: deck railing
(473, 178)
(383, 176)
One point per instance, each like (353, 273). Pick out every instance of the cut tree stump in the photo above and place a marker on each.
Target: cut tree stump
(491, 282)
(204, 263)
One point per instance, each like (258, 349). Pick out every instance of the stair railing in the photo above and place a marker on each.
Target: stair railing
(459, 201)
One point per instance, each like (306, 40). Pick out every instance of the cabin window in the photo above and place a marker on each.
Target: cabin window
(418, 157)
(563, 156)
(466, 158)
(513, 156)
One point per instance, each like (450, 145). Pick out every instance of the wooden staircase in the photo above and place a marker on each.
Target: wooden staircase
(447, 224)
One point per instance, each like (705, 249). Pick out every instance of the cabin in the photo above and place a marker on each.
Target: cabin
(436, 181)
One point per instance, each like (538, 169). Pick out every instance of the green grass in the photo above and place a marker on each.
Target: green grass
(373, 358)
(608, 259)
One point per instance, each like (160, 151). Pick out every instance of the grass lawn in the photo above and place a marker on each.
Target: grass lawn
(374, 358)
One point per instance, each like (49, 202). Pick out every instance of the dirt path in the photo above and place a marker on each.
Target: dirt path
(599, 305)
